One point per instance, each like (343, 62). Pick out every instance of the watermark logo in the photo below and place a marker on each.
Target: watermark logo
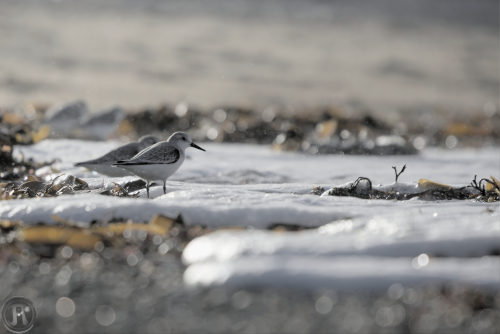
(18, 314)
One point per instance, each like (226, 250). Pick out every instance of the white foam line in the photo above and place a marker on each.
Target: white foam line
(342, 273)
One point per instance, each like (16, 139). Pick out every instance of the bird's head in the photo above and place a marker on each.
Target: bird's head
(183, 140)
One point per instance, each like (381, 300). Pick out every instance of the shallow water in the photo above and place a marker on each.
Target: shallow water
(253, 186)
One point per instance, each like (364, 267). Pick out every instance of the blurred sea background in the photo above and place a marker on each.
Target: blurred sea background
(392, 57)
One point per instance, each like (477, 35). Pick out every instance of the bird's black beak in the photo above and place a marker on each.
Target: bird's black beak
(196, 146)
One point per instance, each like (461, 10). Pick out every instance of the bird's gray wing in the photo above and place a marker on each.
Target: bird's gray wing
(160, 153)
(124, 152)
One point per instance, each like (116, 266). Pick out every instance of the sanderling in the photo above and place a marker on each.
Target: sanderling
(104, 164)
(100, 125)
(63, 119)
(160, 160)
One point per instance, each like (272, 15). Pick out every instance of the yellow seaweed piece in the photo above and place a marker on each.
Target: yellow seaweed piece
(159, 225)
(494, 179)
(86, 238)
(5, 224)
(125, 128)
(428, 184)
(6, 148)
(117, 229)
(490, 187)
(41, 134)
(279, 229)
(464, 129)
(70, 236)
(19, 138)
(62, 221)
(162, 222)
(327, 129)
(11, 118)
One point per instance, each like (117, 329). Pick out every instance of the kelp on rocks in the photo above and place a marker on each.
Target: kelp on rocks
(326, 130)
(34, 187)
(14, 130)
(486, 190)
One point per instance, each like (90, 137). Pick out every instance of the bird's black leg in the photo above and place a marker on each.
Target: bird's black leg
(147, 188)
(164, 186)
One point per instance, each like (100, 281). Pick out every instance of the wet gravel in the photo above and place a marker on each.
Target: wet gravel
(138, 288)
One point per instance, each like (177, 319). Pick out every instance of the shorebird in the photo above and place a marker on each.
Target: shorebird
(159, 161)
(100, 125)
(104, 164)
(63, 119)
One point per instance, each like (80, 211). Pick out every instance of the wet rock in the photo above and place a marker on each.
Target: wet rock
(426, 190)
(63, 184)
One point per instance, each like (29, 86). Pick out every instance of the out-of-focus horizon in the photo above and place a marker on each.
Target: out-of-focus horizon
(383, 55)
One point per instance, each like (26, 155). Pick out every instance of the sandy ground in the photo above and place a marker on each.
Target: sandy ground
(384, 55)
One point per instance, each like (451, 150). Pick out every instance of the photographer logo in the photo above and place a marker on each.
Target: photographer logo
(18, 314)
